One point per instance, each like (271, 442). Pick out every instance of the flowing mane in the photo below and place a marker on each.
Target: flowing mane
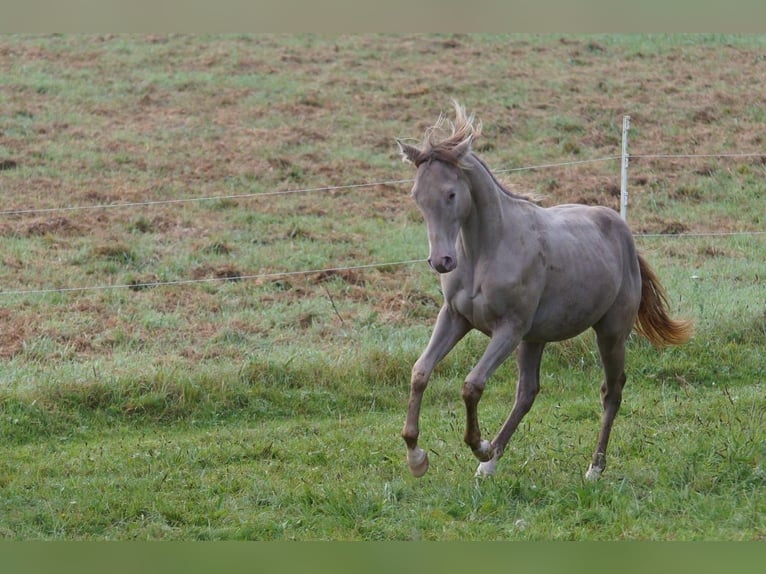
(450, 148)
(448, 141)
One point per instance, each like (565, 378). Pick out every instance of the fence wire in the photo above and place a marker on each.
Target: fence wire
(137, 286)
(330, 188)
(278, 274)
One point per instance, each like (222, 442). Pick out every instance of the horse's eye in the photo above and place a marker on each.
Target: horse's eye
(451, 195)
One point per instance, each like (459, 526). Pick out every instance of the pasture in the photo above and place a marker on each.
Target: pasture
(196, 388)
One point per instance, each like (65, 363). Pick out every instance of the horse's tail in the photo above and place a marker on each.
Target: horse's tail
(653, 321)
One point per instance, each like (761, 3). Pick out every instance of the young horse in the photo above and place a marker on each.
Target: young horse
(523, 275)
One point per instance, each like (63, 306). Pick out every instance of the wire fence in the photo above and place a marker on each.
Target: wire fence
(137, 286)
(156, 202)
(352, 186)
(330, 188)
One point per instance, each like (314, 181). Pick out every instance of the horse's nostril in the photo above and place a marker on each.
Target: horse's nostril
(442, 264)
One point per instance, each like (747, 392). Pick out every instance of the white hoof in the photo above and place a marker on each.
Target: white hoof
(486, 469)
(417, 459)
(485, 452)
(593, 473)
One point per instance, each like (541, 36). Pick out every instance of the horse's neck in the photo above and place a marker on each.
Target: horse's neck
(492, 215)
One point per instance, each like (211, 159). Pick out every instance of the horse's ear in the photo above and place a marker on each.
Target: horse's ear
(462, 149)
(409, 152)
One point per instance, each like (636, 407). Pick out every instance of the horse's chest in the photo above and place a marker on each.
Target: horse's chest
(480, 304)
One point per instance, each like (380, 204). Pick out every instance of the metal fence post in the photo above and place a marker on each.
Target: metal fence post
(624, 170)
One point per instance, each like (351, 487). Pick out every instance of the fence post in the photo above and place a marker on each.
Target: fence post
(624, 169)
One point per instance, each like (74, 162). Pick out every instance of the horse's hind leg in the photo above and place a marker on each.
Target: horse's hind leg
(529, 357)
(612, 350)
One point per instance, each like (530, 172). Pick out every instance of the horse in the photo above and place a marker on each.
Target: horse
(524, 275)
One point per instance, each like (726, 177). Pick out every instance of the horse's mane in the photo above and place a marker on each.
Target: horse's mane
(446, 140)
(503, 187)
(450, 148)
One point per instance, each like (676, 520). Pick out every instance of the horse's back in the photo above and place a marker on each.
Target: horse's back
(589, 231)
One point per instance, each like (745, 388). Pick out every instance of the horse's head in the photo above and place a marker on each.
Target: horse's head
(442, 190)
(443, 195)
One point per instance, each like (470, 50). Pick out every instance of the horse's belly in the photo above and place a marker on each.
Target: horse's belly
(556, 330)
(539, 314)
(562, 319)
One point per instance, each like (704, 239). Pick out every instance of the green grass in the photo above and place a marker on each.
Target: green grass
(271, 408)
(279, 452)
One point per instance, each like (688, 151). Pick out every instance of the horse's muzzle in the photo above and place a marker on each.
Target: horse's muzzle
(443, 264)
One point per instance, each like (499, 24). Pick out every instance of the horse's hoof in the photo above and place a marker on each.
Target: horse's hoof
(596, 467)
(486, 469)
(417, 459)
(485, 451)
(593, 473)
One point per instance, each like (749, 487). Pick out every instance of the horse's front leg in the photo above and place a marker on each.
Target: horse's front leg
(500, 347)
(528, 357)
(448, 330)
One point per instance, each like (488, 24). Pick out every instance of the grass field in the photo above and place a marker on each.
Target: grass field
(213, 407)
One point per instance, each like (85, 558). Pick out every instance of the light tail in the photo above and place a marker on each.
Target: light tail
(654, 321)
